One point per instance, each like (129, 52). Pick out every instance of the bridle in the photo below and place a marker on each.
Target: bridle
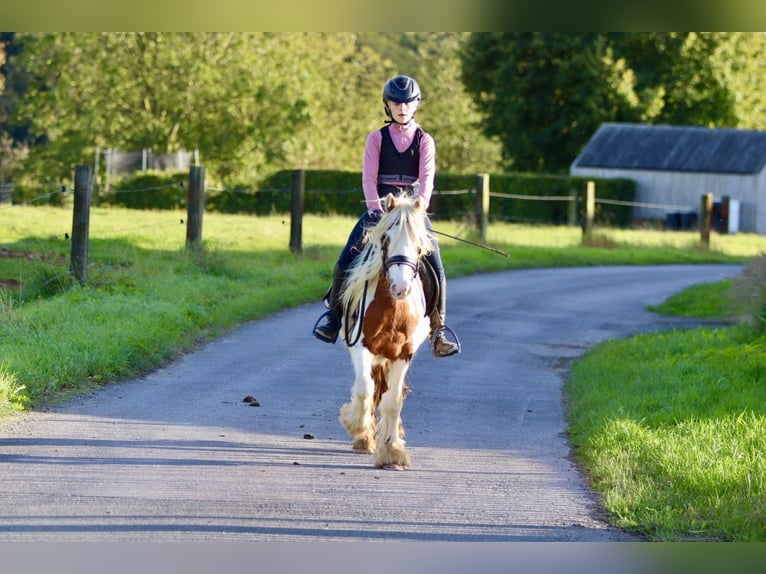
(389, 262)
(407, 261)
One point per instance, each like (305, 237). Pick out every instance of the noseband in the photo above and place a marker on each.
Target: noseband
(401, 260)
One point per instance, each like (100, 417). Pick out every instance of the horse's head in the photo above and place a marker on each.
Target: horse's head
(406, 239)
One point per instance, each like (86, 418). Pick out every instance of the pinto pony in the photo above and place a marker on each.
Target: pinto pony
(384, 324)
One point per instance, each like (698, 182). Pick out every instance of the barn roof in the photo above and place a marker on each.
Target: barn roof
(675, 148)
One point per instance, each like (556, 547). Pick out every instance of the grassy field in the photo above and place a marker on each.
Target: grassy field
(669, 426)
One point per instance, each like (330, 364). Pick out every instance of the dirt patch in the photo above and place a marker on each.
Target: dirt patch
(6, 253)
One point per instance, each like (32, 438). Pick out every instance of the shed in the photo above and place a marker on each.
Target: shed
(673, 166)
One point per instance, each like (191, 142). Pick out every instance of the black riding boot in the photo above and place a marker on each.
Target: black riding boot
(327, 326)
(440, 345)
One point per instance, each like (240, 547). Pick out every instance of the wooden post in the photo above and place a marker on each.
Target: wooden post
(94, 195)
(297, 188)
(195, 207)
(572, 211)
(78, 260)
(706, 218)
(482, 204)
(590, 209)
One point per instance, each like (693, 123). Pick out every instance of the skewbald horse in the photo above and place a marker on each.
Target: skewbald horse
(384, 289)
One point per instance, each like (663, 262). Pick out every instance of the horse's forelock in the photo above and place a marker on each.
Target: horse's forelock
(411, 215)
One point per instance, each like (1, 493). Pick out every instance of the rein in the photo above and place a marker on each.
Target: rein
(360, 318)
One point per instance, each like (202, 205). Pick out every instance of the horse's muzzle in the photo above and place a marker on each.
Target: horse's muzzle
(400, 284)
(400, 291)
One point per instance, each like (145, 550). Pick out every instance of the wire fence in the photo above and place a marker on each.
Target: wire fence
(581, 211)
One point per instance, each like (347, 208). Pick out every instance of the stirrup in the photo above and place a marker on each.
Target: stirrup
(319, 335)
(456, 342)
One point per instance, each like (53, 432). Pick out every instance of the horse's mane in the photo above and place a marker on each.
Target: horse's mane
(369, 263)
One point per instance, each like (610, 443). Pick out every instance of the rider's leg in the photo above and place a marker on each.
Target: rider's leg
(328, 325)
(440, 345)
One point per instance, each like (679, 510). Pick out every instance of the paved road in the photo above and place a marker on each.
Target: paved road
(179, 456)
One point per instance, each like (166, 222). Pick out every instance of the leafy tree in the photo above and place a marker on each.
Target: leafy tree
(15, 139)
(544, 94)
(249, 102)
(739, 61)
(2, 63)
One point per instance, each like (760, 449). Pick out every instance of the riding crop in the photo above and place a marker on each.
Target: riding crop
(469, 242)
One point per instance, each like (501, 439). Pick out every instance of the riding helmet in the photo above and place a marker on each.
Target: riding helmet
(401, 89)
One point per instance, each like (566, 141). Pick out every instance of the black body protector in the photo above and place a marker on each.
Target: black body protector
(398, 167)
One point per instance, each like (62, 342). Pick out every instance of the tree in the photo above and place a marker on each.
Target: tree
(544, 94)
(249, 102)
(15, 139)
(739, 62)
(2, 63)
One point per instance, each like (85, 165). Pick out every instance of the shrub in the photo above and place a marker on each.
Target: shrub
(149, 190)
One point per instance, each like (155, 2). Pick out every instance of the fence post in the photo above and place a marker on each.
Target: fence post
(195, 207)
(706, 218)
(590, 209)
(297, 188)
(482, 204)
(78, 259)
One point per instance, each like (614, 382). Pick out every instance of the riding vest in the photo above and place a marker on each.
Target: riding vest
(398, 171)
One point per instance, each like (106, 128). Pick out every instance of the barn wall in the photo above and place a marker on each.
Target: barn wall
(758, 195)
(682, 191)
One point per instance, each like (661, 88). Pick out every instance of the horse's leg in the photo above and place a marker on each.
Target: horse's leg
(391, 451)
(357, 416)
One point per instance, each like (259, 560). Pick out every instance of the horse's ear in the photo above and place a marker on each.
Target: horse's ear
(390, 201)
(420, 204)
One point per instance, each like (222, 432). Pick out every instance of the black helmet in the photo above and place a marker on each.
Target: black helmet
(401, 89)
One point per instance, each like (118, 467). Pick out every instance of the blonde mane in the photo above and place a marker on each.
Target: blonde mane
(369, 263)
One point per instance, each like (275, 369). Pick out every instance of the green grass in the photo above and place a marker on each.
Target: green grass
(706, 300)
(671, 429)
(672, 426)
(669, 426)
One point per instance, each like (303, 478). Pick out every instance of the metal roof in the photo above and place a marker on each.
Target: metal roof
(675, 148)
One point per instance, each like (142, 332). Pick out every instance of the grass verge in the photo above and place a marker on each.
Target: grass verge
(671, 426)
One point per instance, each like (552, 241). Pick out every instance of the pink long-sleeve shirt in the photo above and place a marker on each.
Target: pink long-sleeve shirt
(402, 137)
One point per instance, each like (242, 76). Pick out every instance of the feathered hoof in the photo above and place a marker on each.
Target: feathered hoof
(364, 445)
(393, 467)
(392, 457)
(352, 419)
